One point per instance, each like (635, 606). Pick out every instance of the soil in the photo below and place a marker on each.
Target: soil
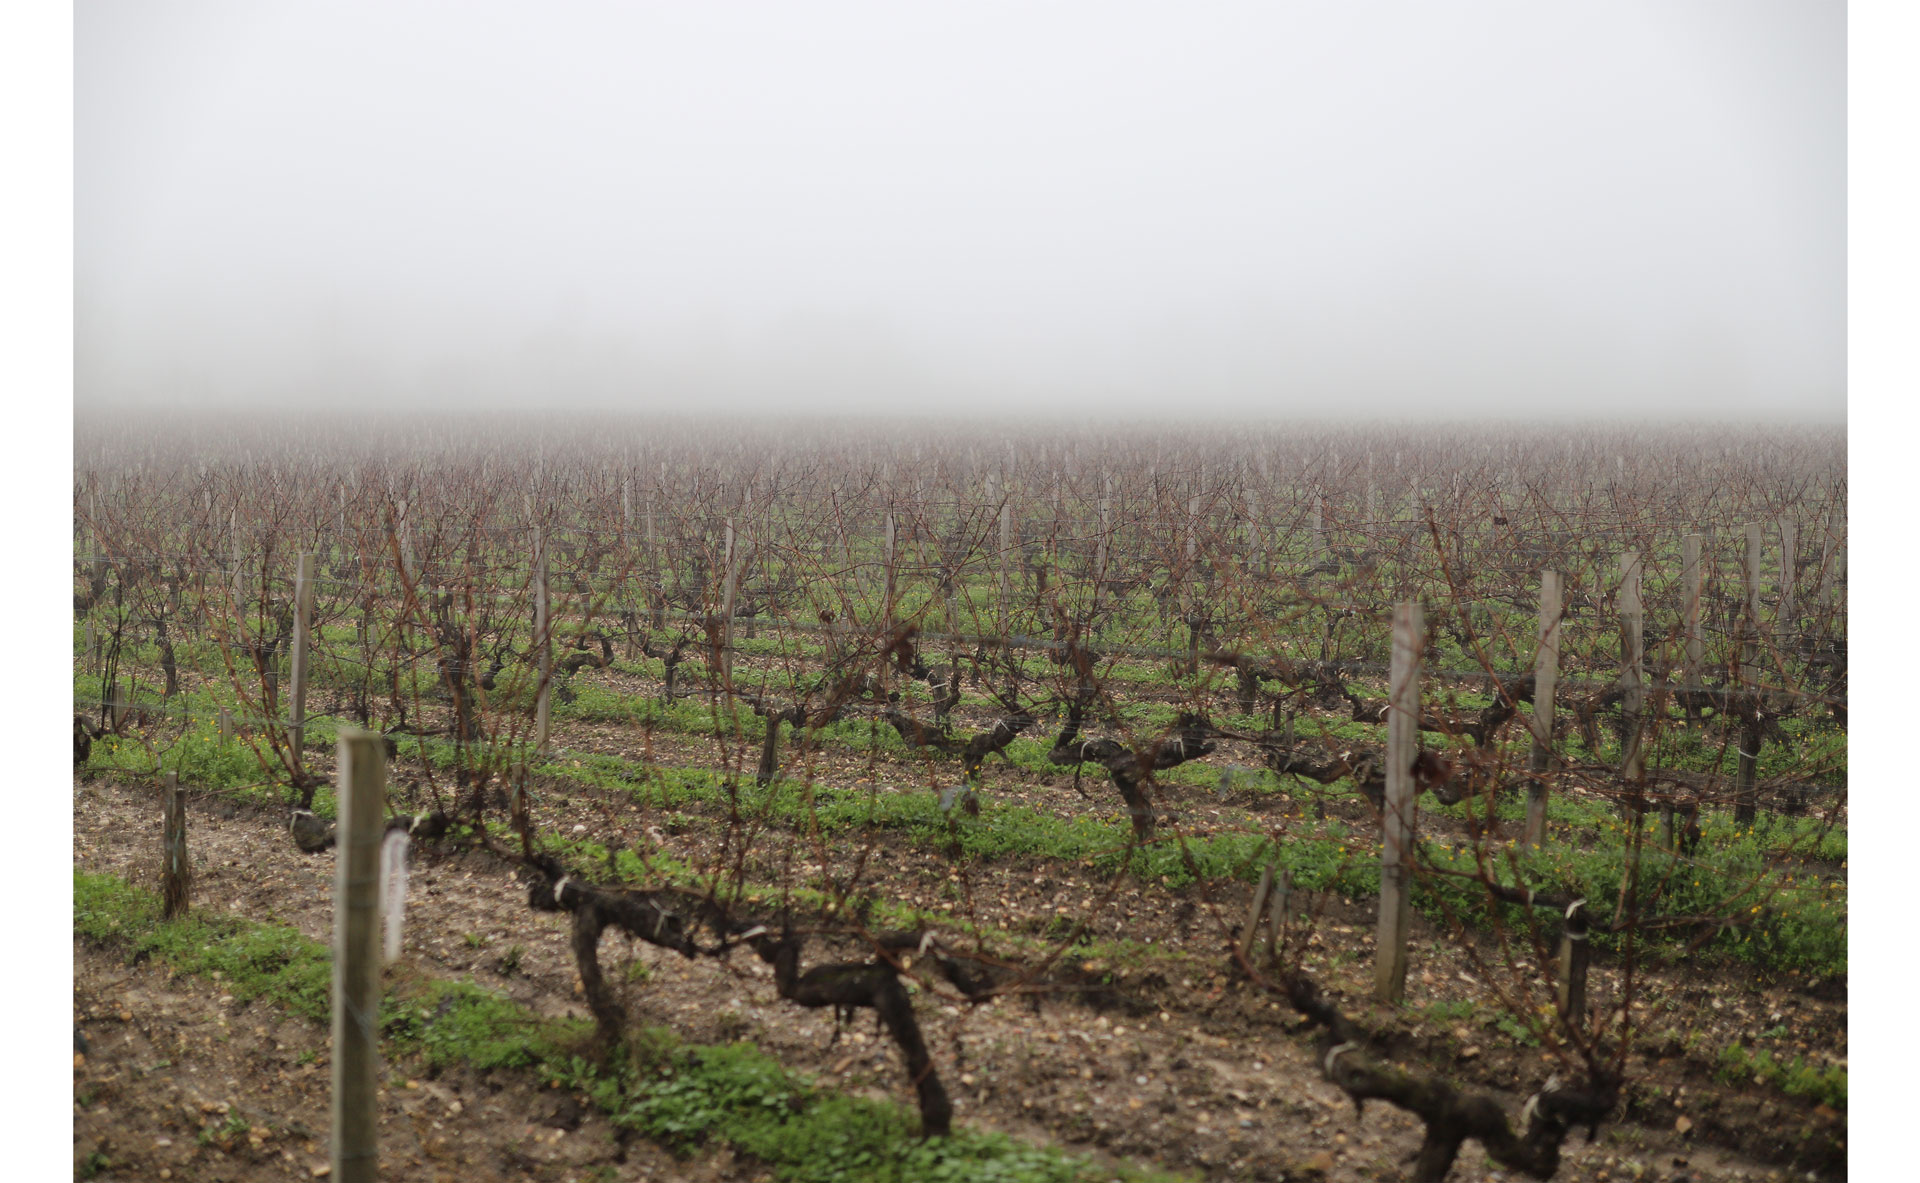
(1176, 1066)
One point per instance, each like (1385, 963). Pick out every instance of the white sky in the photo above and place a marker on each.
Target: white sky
(1462, 207)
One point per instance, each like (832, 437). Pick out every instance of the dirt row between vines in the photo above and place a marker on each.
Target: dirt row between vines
(1214, 1082)
(1689, 1007)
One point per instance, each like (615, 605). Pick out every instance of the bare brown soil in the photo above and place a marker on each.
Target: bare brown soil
(1177, 1066)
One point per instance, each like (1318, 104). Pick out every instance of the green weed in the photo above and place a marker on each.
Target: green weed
(1826, 1086)
(684, 1096)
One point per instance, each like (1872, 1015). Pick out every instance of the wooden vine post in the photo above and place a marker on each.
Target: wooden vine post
(543, 639)
(655, 589)
(623, 573)
(1633, 687)
(1250, 931)
(1833, 551)
(408, 571)
(1747, 766)
(726, 611)
(1192, 530)
(764, 553)
(1546, 672)
(1277, 916)
(99, 559)
(1789, 561)
(886, 621)
(1260, 945)
(239, 568)
(177, 873)
(356, 956)
(302, 625)
(1006, 559)
(1100, 544)
(1691, 579)
(1571, 980)
(1396, 845)
(1256, 535)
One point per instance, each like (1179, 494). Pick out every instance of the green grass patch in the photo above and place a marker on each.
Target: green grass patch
(735, 1094)
(1791, 918)
(1785, 919)
(685, 1096)
(1797, 1078)
(448, 1023)
(250, 959)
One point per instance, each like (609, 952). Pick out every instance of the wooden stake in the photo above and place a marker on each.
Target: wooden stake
(726, 613)
(356, 956)
(1789, 559)
(1746, 768)
(1571, 988)
(1837, 569)
(1256, 533)
(1277, 916)
(1100, 546)
(656, 588)
(542, 637)
(1633, 700)
(408, 569)
(239, 568)
(1397, 820)
(1250, 931)
(1006, 557)
(887, 609)
(1546, 671)
(302, 625)
(177, 871)
(1691, 579)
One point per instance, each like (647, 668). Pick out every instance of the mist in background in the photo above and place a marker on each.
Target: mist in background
(1074, 209)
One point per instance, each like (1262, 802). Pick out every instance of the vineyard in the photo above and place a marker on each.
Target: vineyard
(1165, 795)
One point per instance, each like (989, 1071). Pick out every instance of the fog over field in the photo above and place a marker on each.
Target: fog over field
(1088, 210)
(1201, 562)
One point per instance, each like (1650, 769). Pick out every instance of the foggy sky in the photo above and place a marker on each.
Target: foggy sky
(1514, 209)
